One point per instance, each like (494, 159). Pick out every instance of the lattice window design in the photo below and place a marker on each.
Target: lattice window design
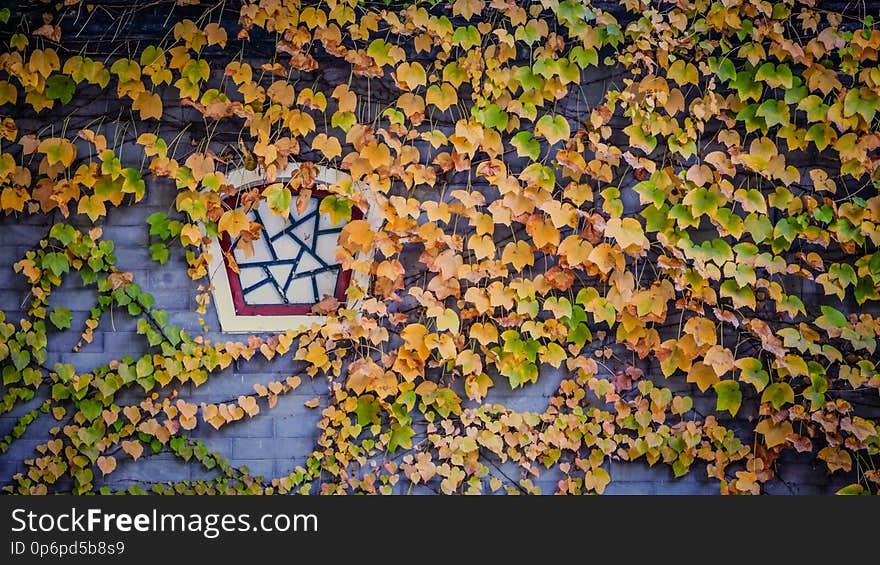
(293, 266)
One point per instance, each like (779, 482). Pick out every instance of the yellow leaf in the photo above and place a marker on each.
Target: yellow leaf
(200, 164)
(313, 403)
(703, 375)
(410, 76)
(92, 206)
(346, 99)
(774, 434)
(448, 321)
(519, 254)
(190, 235)
(317, 355)
(837, 459)
(468, 8)
(58, 151)
(482, 246)
(282, 93)
(485, 333)
(216, 35)
(148, 104)
(543, 233)
(628, 232)
(357, 235)
(13, 198)
(442, 96)
(720, 358)
(249, 405)
(233, 222)
(329, 146)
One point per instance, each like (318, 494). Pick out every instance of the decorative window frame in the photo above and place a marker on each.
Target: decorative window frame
(224, 300)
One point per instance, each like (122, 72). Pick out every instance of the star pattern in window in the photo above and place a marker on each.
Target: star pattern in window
(293, 265)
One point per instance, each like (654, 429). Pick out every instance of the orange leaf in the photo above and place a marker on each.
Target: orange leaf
(106, 464)
(133, 448)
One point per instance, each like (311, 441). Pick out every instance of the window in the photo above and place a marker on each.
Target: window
(293, 265)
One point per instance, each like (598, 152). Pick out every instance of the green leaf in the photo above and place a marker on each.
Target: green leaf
(774, 112)
(729, 396)
(820, 134)
(526, 145)
(65, 233)
(378, 50)
(4, 15)
(159, 252)
(401, 436)
(584, 57)
(853, 489)
(343, 120)
(491, 116)
(831, 316)
(339, 208)
(853, 104)
(367, 410)
(60, 87)
(778, 394)
(752, 372)
(133, 182)
(278, 198)
(758, 226)
(61, 317)
(778, 76)
(90, 408)
(159, 224)
(57, 263)
(466, 37)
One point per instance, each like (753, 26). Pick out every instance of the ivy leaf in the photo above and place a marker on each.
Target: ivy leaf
(554, 129)
(831, 317)
(526, 145)
(159, 252)
(367, 410)
(729, 396)
(278, 197)
(401, 436)
(584, 57)
(91, 409)
(57, 263)
(492, 116)
(233, 222)
(149, 104)
(339, 208)
(778, 394)
(774, 112)
(65, 233)
(61, 317)
(60, 87)
(776, 76)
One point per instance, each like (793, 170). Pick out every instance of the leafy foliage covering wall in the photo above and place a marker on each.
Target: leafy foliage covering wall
(654, 228)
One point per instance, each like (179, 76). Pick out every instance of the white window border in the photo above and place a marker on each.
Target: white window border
(230, 321)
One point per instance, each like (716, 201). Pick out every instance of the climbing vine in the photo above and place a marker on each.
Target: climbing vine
(632, 203)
